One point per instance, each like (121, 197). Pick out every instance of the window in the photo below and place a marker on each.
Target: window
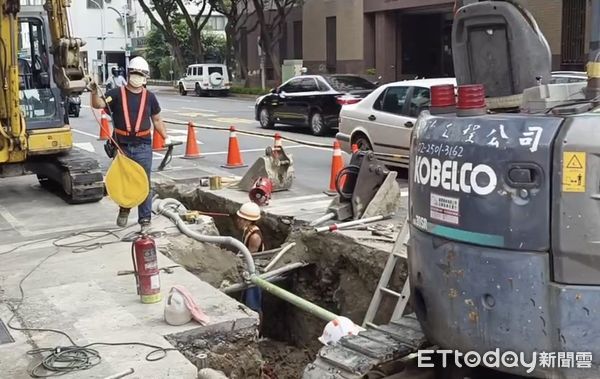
(213, 69)
(292, 86)
(419, 101)
(95, 4)
(322, 85)
(392, 100)
(349, 83)
(189, 71)
(308, 85)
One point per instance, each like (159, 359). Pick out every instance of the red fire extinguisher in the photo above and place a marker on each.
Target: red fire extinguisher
(145, 265)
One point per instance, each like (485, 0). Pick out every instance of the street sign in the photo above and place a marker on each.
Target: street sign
(171, 72)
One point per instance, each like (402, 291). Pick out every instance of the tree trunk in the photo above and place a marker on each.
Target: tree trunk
(196, 37)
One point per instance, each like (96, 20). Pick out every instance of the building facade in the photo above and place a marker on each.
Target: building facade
(404, 39)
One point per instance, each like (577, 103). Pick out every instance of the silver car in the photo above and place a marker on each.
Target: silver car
(383, 120)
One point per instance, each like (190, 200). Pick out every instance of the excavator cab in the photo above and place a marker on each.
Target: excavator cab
(40, 99)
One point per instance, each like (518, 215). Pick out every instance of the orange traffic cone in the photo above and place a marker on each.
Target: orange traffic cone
(158, 143)
(337, 163)
(104, 126)
(354, 148)
(191, 148)
(234, 156)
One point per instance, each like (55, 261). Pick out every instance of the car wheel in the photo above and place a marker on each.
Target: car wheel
(362, 142)
(76, 111)
(317, 124)
(182, 90)
(265, 118)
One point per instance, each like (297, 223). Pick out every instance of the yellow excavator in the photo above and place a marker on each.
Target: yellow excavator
(39, 70)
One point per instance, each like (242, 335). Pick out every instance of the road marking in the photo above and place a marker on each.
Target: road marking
(196, 115)
(184, 139)
(233, 120)
(85, 133)
(200, 109)
(87, 146)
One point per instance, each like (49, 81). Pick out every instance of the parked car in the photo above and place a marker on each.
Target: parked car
(561, 77)
(205, 79)
(311, 100)
(383, 121)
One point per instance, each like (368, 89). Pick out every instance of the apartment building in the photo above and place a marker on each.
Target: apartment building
(400, 39)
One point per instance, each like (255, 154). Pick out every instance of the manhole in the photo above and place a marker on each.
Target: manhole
(5, 336)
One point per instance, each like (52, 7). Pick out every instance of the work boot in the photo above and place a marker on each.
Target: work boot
(145, 224)
(123, 217)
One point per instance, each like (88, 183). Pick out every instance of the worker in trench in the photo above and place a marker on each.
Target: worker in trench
(134, 110)
(245, 221)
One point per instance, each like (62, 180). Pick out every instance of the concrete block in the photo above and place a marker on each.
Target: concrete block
(388, 198)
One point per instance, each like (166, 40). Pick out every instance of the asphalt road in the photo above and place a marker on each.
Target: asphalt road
(312, 164)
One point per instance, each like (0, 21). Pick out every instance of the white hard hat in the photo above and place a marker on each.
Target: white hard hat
(139, 64)
(176, 312)
(338, 328)
(249, 211)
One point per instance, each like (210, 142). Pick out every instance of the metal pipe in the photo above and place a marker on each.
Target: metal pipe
(322, 219)
(161, 207)
(348, 224)
(279, 255)
(270, 276)
(121, 374)
(305, 305)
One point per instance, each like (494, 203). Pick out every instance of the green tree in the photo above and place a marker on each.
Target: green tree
(214, 46)
(156, 50)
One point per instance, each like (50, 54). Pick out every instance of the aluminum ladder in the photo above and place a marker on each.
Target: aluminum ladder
(382, 287)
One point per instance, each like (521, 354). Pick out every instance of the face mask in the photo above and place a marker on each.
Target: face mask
(136, 81)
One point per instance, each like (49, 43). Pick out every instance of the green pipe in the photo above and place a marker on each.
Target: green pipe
(305, 305)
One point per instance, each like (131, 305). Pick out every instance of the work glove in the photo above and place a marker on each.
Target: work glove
(92, 86)
(168, 141)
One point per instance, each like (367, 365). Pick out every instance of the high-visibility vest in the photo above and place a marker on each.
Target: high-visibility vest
(133, 132)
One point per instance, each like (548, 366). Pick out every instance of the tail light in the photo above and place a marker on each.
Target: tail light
(347, 100)
(471, 100)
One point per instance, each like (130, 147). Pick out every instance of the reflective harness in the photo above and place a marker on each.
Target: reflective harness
(135, 132)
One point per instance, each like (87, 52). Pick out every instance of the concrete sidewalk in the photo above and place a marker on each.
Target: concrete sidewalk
(82, 295)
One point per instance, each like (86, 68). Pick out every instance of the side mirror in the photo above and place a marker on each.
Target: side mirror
(274, 90)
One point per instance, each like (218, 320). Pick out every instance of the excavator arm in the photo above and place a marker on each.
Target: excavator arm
(67, 71)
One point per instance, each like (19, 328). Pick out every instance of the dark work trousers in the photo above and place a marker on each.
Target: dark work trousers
(142, 154)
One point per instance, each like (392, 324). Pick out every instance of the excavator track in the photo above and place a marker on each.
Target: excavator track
(76, 174)
(355, 357)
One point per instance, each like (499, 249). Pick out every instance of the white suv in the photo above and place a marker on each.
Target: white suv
(204, 79)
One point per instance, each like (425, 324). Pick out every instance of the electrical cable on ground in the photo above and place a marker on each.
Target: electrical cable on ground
(61, 360)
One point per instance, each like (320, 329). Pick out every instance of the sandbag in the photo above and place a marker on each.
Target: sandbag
(126, 182)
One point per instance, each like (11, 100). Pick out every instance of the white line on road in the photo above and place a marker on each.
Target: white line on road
(85, 133)
(200, 109)
(87, 146)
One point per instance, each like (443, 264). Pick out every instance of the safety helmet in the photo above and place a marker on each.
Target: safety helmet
(338, 328)
(114, 71)
(249, 211)
(176, 311)
(139, 65)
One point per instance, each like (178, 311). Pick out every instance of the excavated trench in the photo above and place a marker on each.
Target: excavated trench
(341, 276)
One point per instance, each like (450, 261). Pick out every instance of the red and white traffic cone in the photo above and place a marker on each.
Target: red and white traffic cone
(337, 164)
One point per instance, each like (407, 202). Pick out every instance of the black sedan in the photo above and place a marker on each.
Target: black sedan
(311, 100)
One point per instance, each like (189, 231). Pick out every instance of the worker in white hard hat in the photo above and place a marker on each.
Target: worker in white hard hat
(247, 216)
(134, 111)
(245, 220)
